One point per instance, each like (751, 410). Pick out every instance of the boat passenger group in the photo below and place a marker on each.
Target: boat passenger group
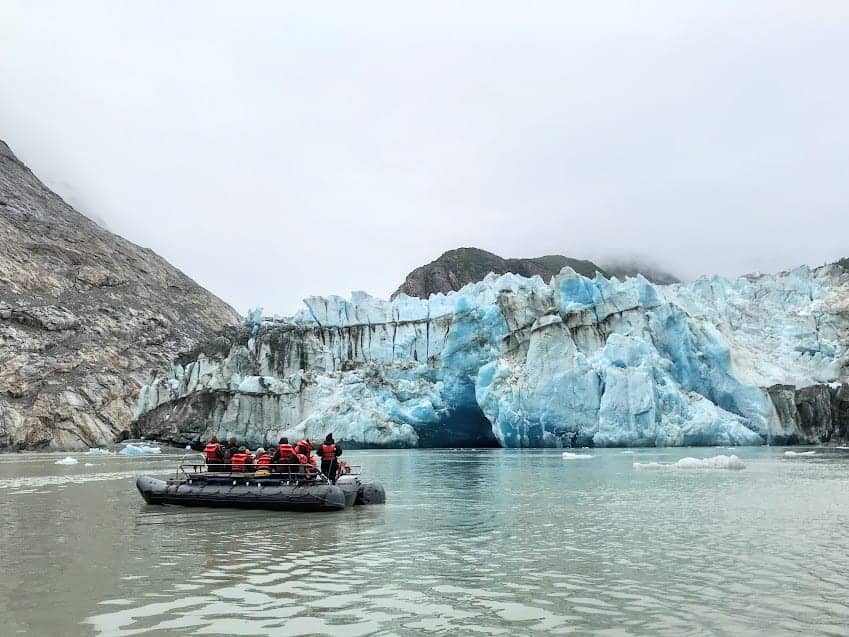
(282, 459)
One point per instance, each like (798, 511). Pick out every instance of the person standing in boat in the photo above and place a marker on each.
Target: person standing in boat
(329, 451)
(214, 454)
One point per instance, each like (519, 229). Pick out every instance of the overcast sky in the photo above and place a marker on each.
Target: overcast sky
(274, 151)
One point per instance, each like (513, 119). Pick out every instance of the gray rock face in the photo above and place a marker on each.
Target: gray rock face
(85, 318)
(456, 268)
(820, 413)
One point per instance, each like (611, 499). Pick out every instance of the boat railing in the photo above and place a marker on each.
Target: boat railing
(191, 471)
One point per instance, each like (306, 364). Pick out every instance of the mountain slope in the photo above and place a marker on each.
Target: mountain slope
(85, 318)
(456, 268)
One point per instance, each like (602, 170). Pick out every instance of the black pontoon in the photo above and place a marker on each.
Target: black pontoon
(280, 487)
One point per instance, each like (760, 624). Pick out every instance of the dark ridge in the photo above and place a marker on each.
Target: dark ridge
(462, 266)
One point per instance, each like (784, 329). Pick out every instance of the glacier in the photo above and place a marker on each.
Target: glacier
(516, 362)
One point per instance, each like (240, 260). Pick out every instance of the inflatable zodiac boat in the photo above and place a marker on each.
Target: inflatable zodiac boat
(289, 488)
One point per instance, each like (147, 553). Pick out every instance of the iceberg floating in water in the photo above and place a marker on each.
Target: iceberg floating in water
(67, 460)
(794, 454)
(96, 451)
(716, 462)
(516, 362)
(568, 455)
(88, 464)
(139, 450)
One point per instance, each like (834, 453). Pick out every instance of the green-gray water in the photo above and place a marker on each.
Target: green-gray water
(483, 542)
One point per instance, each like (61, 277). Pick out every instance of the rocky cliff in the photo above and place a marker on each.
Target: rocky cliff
(517, 362)
(86, 317)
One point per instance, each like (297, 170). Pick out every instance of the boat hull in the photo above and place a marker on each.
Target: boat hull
(284, 497)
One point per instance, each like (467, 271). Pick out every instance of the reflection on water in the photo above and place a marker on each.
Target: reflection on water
(490, 542)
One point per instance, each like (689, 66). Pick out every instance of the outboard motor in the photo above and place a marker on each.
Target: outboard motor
(350, 485)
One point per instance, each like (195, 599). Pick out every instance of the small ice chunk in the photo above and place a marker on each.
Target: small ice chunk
(715, 462)
(568, 455)
(67, 460)
(628, 452)
(97, 451)
(88, 464)
(139, 450)
(642, 466)
(793, 454)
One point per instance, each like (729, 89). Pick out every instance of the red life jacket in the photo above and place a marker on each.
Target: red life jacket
(264, 460)
(237, 461)
(309, 467)
(286, 454)
(327, 451)
(211, 452)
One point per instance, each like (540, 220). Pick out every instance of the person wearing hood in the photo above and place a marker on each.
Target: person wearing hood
(263, 463)
(329, 451)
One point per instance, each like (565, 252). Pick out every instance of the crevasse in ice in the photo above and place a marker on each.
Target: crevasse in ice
(521, 363)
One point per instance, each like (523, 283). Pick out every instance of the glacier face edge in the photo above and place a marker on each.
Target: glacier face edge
(516, 362)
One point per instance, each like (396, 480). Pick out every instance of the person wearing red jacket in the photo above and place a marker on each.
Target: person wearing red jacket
(329, 451)
(285, 456)
(213, 452)
(263, 462)
(241, 461)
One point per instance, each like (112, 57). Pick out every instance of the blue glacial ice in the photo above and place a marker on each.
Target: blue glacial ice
(517, 362)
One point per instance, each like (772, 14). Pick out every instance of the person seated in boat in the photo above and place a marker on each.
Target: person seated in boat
(263, 463)
(329, 451)
(305, 458)
(304, 448)
(285, 457)
(241, 461)
(230, 447)
(214, 454)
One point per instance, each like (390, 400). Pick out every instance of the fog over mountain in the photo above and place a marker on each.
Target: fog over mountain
(274, 151)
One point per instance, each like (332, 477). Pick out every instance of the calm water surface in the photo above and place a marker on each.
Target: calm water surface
(483, 542)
